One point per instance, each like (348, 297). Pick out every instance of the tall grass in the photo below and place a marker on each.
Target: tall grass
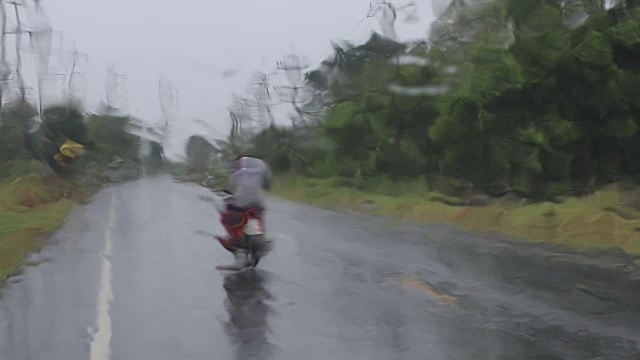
(30, 208)
(585, 222)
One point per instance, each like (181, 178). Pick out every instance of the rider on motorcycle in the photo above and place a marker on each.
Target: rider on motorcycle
(248, 184)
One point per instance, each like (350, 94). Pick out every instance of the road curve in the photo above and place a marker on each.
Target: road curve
(132, 276)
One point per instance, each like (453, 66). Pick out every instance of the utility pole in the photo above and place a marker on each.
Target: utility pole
(169, 101)
(389, 14)
(115, 90)
(293, 66)
(5, 69)
(262, 98)
(18, 32)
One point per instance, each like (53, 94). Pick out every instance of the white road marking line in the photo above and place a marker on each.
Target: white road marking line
(101, 342)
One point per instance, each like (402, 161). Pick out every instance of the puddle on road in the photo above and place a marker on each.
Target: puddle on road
(424, 287)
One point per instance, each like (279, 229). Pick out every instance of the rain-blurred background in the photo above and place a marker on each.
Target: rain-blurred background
(497, 103)
(470, 104)
(511, 117)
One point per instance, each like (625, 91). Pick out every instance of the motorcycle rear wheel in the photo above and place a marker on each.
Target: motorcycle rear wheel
(258, 247)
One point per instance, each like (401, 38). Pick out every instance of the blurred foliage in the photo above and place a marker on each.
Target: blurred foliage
(13, 127)
(506, 96)
(88, 149)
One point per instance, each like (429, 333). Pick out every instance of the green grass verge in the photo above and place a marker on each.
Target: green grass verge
(587, 222)
(30, 209)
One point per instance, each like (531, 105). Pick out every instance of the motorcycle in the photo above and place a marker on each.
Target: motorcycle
(246, 230)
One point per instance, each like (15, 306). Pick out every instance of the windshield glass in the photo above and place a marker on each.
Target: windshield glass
(436, 179)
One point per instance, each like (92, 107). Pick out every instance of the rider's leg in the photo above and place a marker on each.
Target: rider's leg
(232, 221)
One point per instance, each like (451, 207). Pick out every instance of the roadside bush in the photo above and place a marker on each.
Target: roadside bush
(448, 200)
(17, 168)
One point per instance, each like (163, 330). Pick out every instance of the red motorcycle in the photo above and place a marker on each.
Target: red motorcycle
(246, 232)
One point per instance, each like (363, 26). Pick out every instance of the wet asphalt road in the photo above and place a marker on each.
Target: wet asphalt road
(132, 276)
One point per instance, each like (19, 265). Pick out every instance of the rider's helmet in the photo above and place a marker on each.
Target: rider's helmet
(237, 161)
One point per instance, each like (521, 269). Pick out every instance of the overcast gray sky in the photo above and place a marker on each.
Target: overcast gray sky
(192, 42)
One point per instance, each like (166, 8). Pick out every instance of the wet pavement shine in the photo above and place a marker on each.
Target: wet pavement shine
(132, 276)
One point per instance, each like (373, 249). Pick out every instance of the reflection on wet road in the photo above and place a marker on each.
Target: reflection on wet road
(248, 306)
(132, 276)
